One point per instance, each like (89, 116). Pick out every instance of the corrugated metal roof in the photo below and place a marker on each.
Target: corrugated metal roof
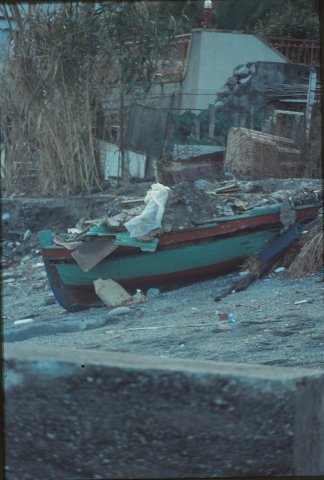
(186, 152)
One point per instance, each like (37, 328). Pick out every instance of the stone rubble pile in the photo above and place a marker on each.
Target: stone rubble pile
(193, 204)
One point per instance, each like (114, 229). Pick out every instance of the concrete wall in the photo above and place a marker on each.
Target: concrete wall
(41, 213)
(88, 415)
(214, 55)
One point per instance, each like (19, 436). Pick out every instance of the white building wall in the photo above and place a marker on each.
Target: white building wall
(111, 162)
(213, 57)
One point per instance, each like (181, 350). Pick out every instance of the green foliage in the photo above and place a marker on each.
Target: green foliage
(134, 35)
(184, 127)
(187, 13)
(292, 18)
(290, 22)
(184, 124)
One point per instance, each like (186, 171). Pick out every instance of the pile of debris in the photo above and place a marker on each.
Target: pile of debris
(185, 205)
(16, 244)
(198, 203)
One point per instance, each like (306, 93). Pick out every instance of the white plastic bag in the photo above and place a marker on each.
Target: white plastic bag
(150, 219)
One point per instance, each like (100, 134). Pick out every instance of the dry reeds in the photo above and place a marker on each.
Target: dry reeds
(50, 87)
(63, 63)
(310, 258)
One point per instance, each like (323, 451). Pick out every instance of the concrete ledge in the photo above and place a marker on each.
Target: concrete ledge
(91, 415)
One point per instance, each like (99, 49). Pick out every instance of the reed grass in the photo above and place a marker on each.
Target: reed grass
(310, 258)
(63, 63)
(49, 92)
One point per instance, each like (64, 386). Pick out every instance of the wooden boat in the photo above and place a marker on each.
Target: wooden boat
(173, 258)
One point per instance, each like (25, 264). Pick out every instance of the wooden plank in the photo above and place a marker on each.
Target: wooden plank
(132, 200)
(233, 187)
(89, 254)
(211, 113)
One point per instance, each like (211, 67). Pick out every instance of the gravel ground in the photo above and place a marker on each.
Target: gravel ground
(271, 327)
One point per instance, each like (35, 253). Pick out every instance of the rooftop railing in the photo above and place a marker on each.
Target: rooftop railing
(298, 50)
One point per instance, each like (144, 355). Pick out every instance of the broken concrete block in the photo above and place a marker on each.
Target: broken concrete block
(111, 293)
(256, 155)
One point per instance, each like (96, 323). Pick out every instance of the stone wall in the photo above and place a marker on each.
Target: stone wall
(256, 155)
(92, 415)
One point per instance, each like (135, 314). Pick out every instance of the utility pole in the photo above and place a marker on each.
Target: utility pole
(310, 100)
(122, 166)
(309, 110)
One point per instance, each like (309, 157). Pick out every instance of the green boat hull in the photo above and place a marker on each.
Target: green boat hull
(168, 262)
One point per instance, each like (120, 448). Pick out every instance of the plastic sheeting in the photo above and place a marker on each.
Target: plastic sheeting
(149, 220)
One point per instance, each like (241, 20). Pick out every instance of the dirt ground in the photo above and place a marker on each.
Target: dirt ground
(279, 320)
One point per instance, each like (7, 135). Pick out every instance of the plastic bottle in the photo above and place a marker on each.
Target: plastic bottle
(138, 295)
